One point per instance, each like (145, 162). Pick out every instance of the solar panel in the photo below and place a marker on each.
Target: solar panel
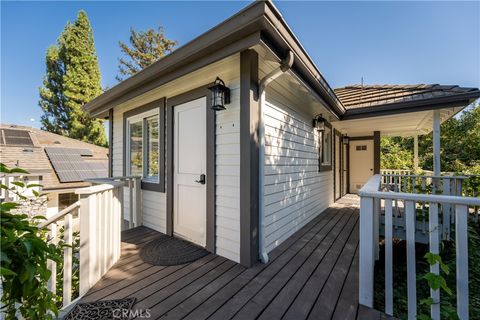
(16, 137)
(71, 167)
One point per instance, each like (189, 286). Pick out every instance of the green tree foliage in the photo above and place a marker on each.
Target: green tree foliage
(459, 150)
(394, 155)
(72, 79)
(24, 253)
(145, 48)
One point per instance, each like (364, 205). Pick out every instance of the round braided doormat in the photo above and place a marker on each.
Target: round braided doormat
(169, 251)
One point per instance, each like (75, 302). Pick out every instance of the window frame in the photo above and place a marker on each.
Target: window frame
(142, 114)
(321, 166)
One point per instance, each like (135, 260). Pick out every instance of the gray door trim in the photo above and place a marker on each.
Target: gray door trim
(210, 174)
(337, 133)
(376, 152)
(110, 142)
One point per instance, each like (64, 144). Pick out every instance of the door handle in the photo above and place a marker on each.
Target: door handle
(202, 179)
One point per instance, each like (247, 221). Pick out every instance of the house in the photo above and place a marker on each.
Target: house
(240, 175)
(59, 164)
(236, 143)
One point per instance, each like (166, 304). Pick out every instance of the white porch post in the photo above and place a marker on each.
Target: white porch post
(436, 142)
(415, 151)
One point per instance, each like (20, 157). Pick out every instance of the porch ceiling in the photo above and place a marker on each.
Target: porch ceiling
(403, 124)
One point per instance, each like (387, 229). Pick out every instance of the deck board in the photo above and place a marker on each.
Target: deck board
(311, 275)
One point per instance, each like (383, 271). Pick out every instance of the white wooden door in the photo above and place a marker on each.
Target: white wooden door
(189, 220)
(361, 163)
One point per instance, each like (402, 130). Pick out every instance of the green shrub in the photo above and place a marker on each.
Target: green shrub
(24, 253)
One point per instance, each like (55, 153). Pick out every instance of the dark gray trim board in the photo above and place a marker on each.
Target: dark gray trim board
(249, 121)
(110, 143)
(376, 152)
(337, 172)
(345, 167)
(210, 174)
(348, 167)
(160, 104)
(360, 138)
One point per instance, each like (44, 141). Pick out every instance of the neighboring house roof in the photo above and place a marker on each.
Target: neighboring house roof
(259, 23)
(62, 162)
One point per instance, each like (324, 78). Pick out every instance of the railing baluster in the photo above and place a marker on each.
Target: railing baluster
(411, 272)
(52, 265)
(138, 203)
(367, 258)
(434, 248)
(446, 208)
(130, 201)
(377, 207)
(461, 245)
(67, 259)
(398, 215)
(388, 258)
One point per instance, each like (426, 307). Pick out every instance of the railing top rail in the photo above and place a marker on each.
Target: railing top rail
(100, 188)
(59, 215)
(372, 189)
(113, 178)
(423, 176)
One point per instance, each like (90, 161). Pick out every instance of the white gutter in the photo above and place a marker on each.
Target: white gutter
(285, 65)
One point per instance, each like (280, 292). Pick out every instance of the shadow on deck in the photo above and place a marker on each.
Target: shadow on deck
(312, 275)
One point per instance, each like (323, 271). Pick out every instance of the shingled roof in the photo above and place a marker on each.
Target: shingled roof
(364, 96)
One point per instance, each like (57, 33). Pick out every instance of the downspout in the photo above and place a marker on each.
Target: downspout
(285, 65)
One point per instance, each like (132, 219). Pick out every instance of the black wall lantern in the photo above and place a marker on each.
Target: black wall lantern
(220, 95)
(319, 123)
(345, 139)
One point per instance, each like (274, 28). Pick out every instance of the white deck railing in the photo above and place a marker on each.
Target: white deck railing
(371, 197)
(133, 201)
(100, 218)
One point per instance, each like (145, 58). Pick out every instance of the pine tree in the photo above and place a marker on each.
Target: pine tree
(145, 48)
(72, 79)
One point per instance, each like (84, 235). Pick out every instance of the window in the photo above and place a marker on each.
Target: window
(325, 148)
(143, 154)
(66, 199)
(152, 147)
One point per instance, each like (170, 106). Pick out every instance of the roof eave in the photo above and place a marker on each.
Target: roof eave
(259, 21)
(216, 40)
(458, 100)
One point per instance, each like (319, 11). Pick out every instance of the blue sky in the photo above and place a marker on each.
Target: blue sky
(385, 42)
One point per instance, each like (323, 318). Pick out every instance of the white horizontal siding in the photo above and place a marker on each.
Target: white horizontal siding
(295, 192)
(228, 176)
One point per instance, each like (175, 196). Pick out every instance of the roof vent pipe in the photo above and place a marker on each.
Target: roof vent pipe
(285, 65)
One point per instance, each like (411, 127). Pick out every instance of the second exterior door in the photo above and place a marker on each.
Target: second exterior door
(361, 163)
(189, 177)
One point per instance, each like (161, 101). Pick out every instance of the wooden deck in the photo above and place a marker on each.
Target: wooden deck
(312, 275)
